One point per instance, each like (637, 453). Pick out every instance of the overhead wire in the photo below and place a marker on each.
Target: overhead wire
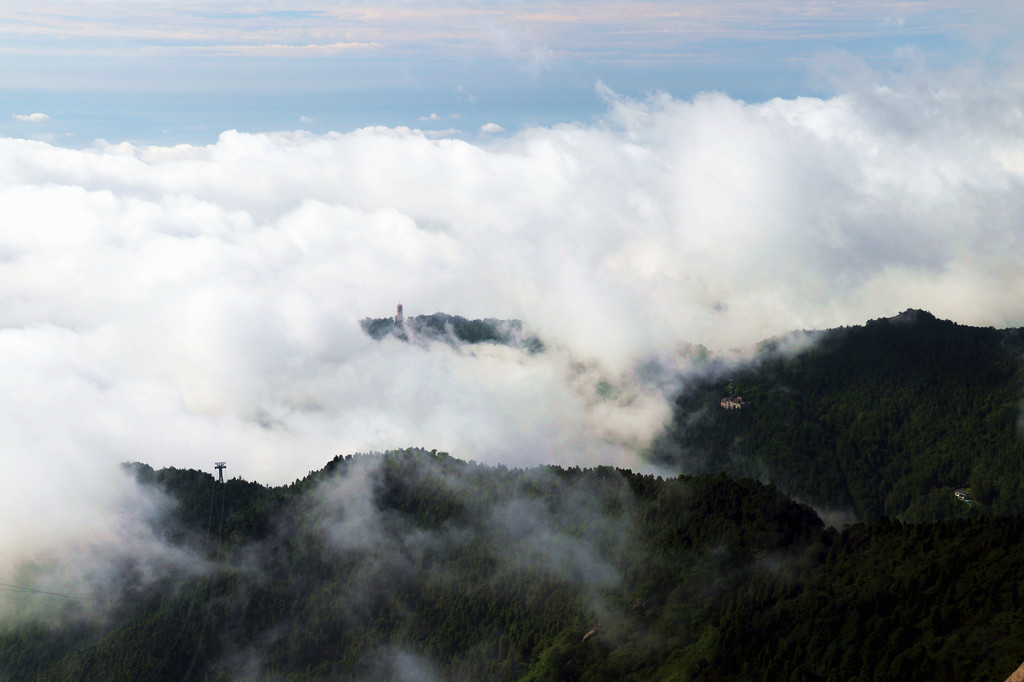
(83, 596)
(213, 583)
(195, 591)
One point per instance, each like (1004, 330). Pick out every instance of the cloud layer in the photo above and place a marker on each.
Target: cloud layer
(181, 305)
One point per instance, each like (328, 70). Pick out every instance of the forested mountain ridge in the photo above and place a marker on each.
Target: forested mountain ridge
(415, 565)
(453, 329)
(884, 419)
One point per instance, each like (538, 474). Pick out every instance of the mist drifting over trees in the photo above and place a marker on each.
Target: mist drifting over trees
(582, 284)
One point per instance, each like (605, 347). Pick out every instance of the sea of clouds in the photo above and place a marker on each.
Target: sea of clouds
(183, 305)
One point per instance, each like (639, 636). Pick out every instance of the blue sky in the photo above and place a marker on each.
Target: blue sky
(167, 72)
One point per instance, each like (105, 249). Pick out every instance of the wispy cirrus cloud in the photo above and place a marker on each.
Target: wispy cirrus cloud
(280, 49)
(749, 49)
(524, 29)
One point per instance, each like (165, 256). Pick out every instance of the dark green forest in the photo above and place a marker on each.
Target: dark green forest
(882, 420)
(453, 329)
(416, 565)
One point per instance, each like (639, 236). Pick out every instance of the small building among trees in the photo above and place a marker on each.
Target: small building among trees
(732, 403)
(963, 494)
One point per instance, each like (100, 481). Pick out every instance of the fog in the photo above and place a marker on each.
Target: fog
(182, 305)
(538, 524)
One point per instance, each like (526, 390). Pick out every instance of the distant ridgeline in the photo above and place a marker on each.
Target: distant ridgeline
(415, 565)
(910, 416)
(453, 329)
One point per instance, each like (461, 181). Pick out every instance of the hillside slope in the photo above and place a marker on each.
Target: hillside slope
(885, 419)
(453, 329)
(415, 565)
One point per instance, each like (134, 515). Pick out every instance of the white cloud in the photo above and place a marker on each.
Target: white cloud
(31, 118)
(181, 305)
(491, 128)
(306, 119)
(436, 117)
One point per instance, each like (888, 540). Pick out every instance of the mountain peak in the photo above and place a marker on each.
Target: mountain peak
(910, 316)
